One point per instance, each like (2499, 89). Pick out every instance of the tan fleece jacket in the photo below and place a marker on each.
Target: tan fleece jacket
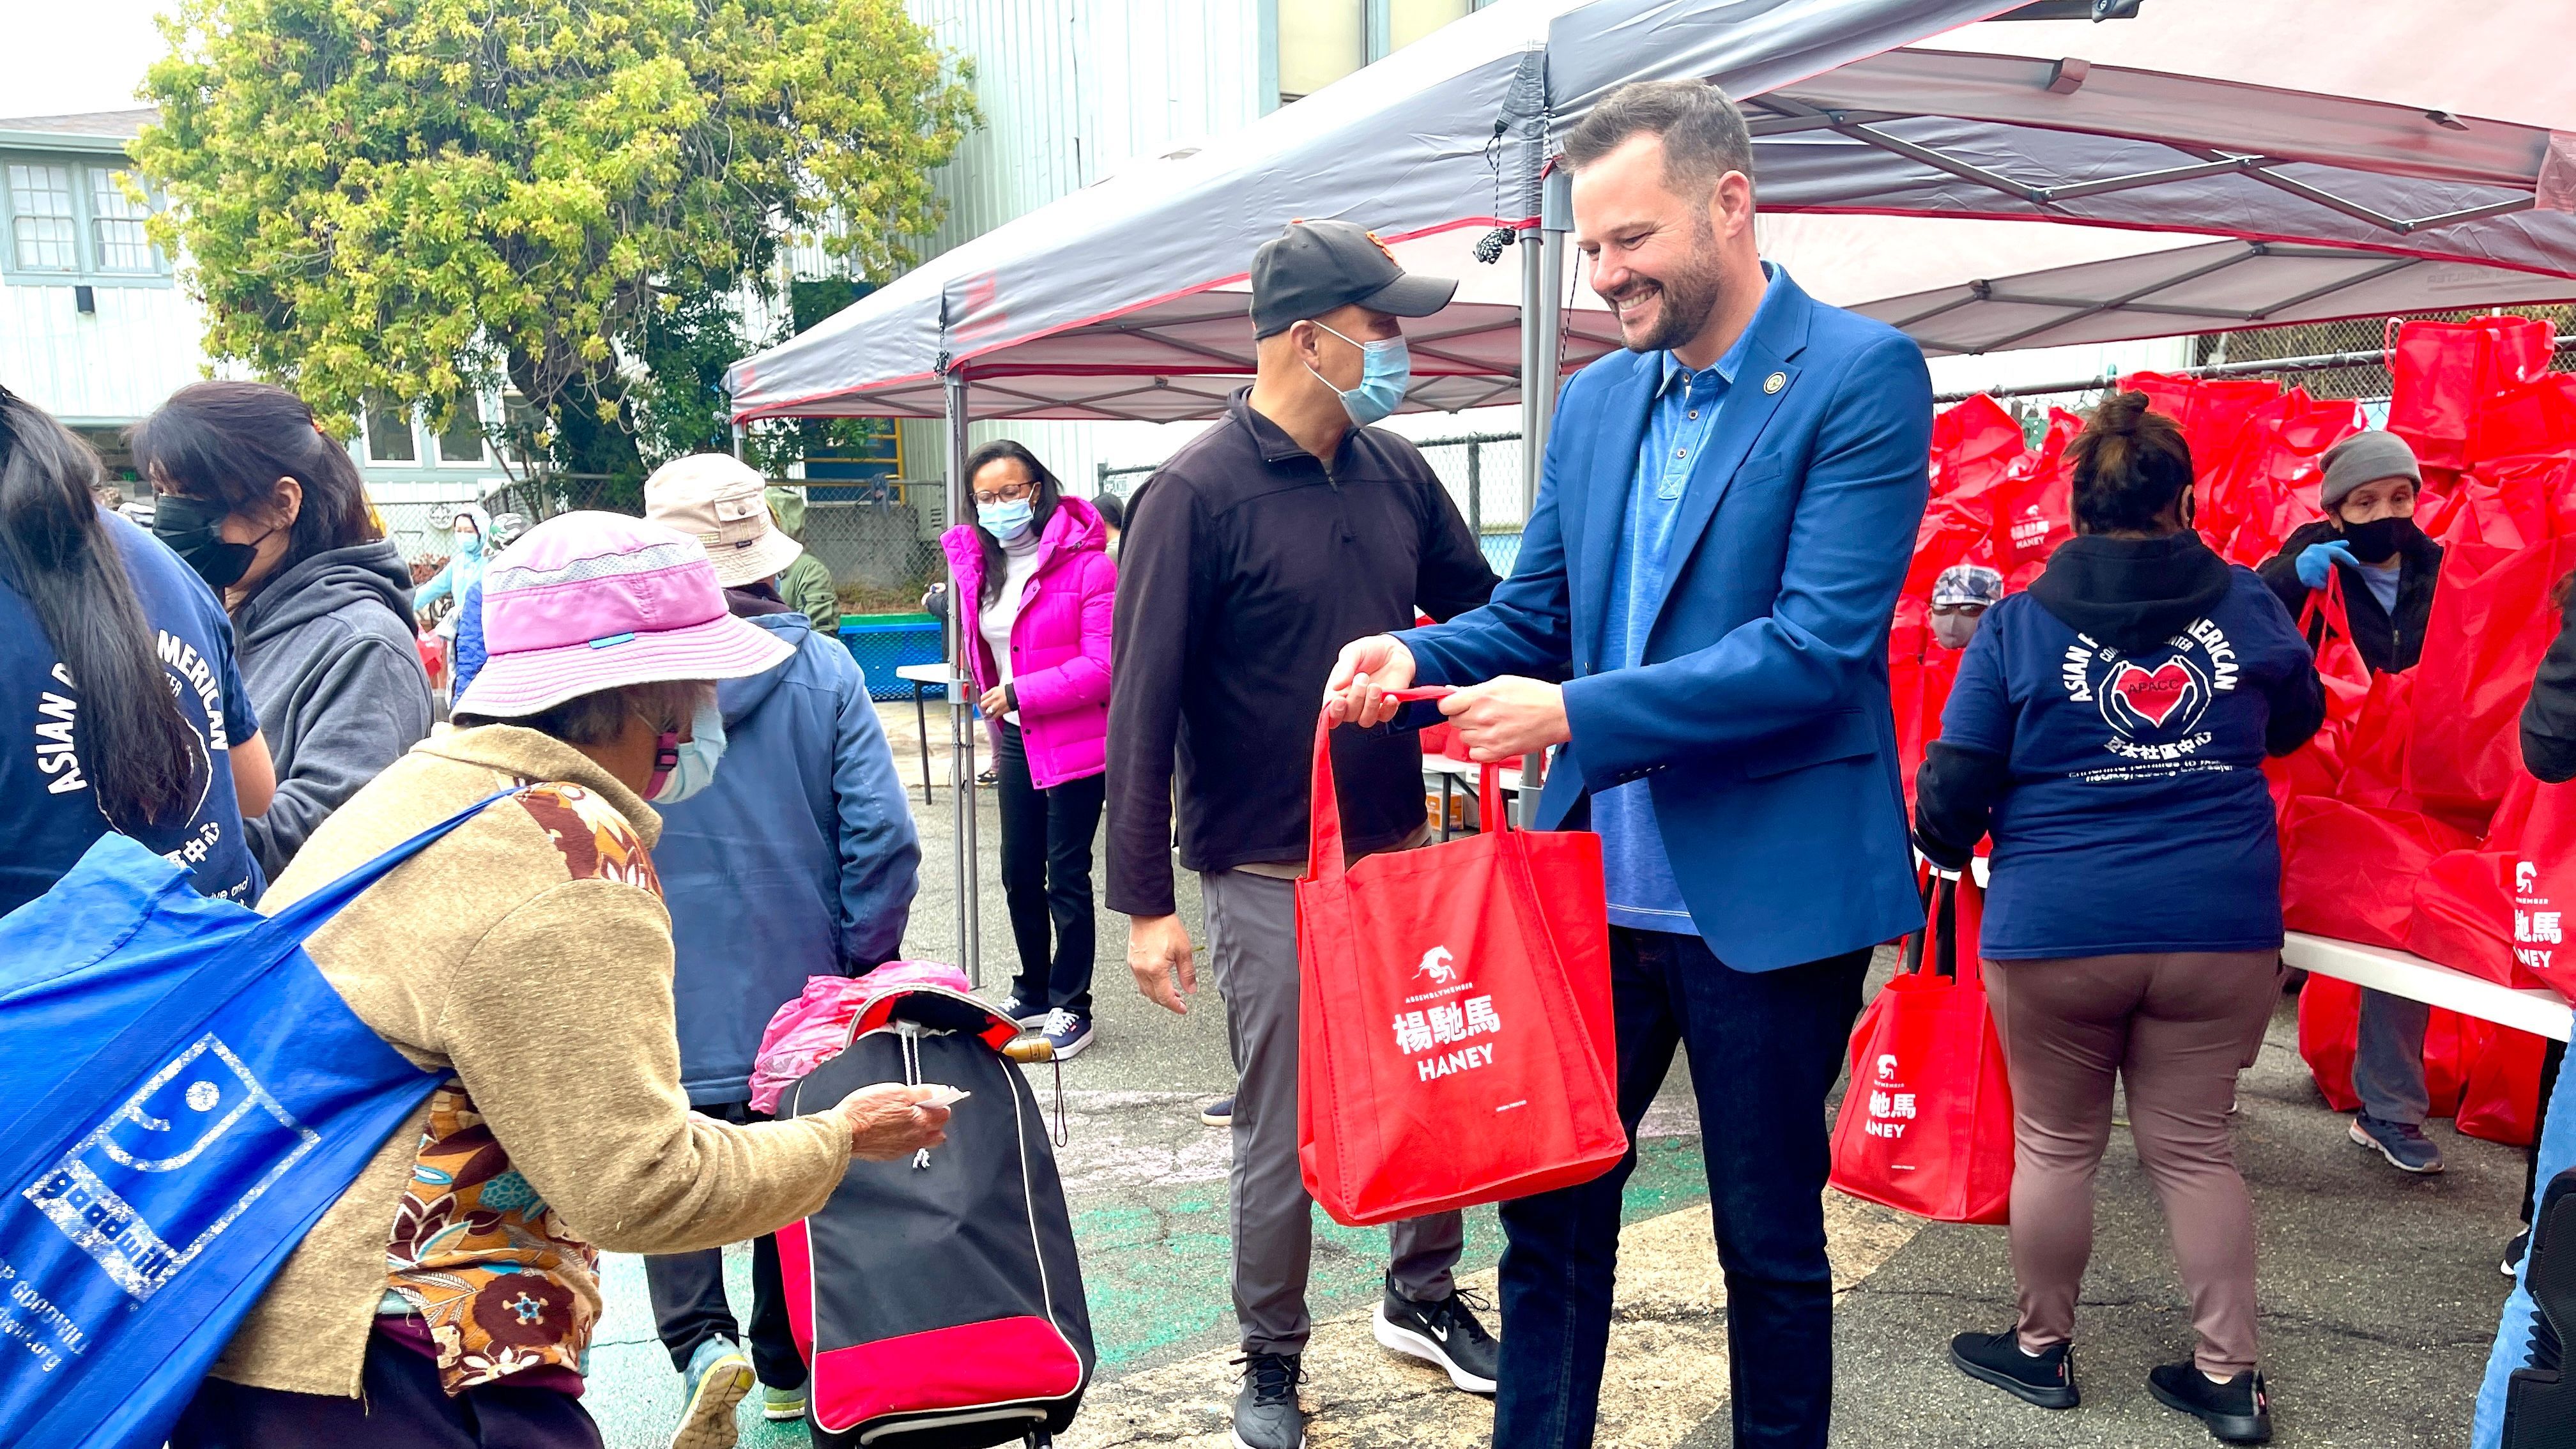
(535, 961)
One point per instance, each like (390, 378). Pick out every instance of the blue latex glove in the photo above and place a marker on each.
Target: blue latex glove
(2317, 561)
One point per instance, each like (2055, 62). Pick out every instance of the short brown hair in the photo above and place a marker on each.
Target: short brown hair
(1703, 133)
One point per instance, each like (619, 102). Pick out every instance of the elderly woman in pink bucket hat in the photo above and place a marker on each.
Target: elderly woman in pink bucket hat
(528, 953)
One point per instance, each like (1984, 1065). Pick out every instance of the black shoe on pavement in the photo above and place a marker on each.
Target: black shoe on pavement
(2539, 1399)
(2514, 1248)
(1219, 1113)
(2046, 1379)
(1266, 1415)
(1445, 1333)
(2238, 1411)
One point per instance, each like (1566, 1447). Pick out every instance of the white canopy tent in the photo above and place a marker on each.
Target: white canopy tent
(2207, 165)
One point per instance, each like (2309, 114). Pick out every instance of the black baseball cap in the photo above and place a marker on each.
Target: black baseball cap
(1312, 267)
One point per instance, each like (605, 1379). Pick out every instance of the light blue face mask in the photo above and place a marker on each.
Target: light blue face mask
(1386, 370)
(693, 762)
(1006, 521)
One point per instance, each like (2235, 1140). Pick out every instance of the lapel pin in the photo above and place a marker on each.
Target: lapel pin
(1775, 382)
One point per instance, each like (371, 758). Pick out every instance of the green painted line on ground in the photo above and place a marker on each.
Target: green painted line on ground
(1155, 1275)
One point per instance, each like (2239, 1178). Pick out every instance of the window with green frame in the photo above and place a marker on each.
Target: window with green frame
(74, 218)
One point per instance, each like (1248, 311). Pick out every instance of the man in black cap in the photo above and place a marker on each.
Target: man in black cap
(1248, 559)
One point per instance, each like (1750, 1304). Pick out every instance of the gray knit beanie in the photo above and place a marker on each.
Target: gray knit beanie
(2365, 458)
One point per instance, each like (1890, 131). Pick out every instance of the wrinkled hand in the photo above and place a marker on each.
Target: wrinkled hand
(2317, 560)
(1368, 668)
(996, 701)
(1508, 716)
(1158, 947)
(890, 1121)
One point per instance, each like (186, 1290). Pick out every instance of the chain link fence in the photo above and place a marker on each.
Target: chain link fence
(1482, 472)
(2365, 380)
(879, 539)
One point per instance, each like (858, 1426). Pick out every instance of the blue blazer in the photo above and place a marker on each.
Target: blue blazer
(1760, 711)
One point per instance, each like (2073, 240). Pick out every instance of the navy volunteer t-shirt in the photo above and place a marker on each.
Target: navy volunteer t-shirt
(49, 811)
(2137, 817)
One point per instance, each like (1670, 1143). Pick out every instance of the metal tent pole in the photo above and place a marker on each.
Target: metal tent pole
(1556, 219)
(1535, 394)
(961, 724)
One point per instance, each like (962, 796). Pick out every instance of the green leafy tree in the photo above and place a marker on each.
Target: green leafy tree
(418, 198)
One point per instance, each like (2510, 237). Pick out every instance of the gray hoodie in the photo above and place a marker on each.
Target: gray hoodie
(333, 667)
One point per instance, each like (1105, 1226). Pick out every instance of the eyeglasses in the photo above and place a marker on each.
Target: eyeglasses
(1007, 493)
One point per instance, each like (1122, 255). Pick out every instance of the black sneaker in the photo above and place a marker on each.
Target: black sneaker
(1266, 1415)
(2539, 1402)
(2046, 1379)
(2238, 1411)
(1443, 1333)
(2514, 1248)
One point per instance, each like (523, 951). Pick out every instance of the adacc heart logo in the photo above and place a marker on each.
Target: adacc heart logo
(2153, 695)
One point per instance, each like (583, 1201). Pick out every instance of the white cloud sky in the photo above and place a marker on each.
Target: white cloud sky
(75, 55)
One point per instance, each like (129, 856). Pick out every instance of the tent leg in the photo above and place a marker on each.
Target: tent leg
(961, 723)
(1545, 340)
(1534, 392)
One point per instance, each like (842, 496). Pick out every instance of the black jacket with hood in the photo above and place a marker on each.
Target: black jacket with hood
(2131, 594)
(333, 666)
(2389, 644)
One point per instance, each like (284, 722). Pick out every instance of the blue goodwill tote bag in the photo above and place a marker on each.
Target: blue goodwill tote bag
(182, 1095)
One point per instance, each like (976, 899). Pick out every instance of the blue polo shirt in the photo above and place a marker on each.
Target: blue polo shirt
(1639, 876)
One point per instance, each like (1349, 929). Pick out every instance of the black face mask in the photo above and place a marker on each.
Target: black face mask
(2379, 540)
(188, 528)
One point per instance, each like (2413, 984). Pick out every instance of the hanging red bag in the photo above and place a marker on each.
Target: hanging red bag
(2442, 373)
(2491, 623)
(2317, 767)
(1456, 1043)
(2500, 1093)
(1926, 1125)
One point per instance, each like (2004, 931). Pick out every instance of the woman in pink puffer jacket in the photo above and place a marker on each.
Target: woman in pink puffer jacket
(1035, 582)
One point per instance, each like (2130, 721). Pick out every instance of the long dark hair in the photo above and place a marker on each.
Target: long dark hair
(2131, 463)
(1041, 505)
(140, 756)
(229, 443)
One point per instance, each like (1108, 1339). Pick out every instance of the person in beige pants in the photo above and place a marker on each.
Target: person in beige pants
(2108, 729)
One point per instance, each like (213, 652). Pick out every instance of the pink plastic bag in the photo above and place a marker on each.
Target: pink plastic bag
(813, 1028)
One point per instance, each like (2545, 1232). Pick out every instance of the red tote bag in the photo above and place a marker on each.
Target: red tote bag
(1456, 1043)
(1926, 1125)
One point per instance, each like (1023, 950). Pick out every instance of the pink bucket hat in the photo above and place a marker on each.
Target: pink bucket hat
(592, 601)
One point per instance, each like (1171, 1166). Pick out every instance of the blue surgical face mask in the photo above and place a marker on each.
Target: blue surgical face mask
(1386, 370)
(692, 764)
(1005, 521)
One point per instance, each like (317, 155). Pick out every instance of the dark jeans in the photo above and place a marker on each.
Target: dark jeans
(1046, 872)
(404, 1408)
(1764, 1050)
(689, 1304)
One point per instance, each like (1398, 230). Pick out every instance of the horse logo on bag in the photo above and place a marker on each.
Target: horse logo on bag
(1435, 964)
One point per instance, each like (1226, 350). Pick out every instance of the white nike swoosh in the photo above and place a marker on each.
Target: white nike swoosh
(1439, 1332)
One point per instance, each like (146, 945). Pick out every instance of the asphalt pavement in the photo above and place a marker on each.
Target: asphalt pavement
(2380, 1292)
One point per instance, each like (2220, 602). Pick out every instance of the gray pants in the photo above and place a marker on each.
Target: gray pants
(1252, 947)
(2388, 1063)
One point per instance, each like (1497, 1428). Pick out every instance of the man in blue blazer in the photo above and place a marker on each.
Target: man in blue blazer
(1698, 622)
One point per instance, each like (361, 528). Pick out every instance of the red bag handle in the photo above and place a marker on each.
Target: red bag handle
(1324, 806)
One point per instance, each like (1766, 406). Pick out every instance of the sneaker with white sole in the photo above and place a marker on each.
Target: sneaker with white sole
(2403, 1144)
(1068, 1032)
(1029, 1014)
(1219, 1113)
(1443, 1333)
(780, 1405)
(718, 1376)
